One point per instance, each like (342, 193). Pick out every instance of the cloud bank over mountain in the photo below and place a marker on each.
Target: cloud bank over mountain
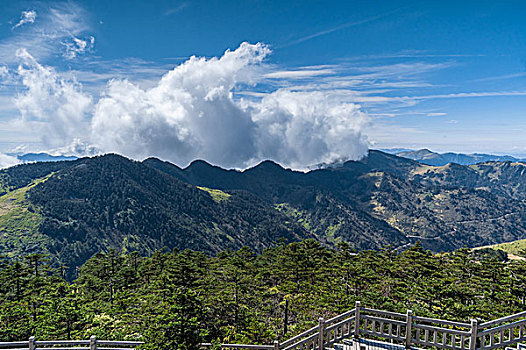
(54, 106)
(195, 111)
(7, 161)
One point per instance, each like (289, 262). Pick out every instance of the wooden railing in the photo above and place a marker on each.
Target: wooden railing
(325, 334)
(242, 346)
(92, 344)
(502, 332)
(407, 330)
(429, 332)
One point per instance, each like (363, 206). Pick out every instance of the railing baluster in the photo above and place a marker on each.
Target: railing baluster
(93, 343)
(474, 331)
(491, 339)
(31, 343)
(321, 326)
(357, 320)
(408, 335)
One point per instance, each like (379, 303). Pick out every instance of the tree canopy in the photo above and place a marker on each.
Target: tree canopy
(180, 298)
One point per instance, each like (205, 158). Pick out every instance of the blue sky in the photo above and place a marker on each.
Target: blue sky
(330, 78)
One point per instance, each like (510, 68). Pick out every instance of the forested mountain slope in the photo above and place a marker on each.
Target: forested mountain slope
(74, 209)
(446, 207)
(111, 201)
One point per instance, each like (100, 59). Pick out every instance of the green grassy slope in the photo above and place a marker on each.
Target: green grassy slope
(513, 248)
(19, 223)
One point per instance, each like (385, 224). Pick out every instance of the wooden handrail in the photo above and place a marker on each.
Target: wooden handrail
(501, 328)
(92, 344)
(13, 344)
(442, 322)
(383, 313)
(503, 319)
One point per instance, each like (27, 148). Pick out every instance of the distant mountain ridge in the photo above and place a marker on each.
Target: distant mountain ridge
(428, 157)
(41, 157)
(73, 209)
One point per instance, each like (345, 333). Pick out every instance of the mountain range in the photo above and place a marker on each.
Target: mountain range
(74, 209)
(428, 157)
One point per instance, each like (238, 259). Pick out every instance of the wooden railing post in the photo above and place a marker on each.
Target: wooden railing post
(408, 330)
(32, 343)
(474, 331)
(321, 326)
(357, 320)
(276, 344)
(93, 343)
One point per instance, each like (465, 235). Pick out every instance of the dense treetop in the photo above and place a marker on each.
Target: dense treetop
(180, 298)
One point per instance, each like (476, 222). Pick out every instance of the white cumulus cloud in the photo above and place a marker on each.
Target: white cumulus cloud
(55, 106)
(193, 112)
(305, 128)
(189, 114)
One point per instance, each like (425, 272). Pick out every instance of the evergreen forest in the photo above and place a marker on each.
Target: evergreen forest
(177, 299)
